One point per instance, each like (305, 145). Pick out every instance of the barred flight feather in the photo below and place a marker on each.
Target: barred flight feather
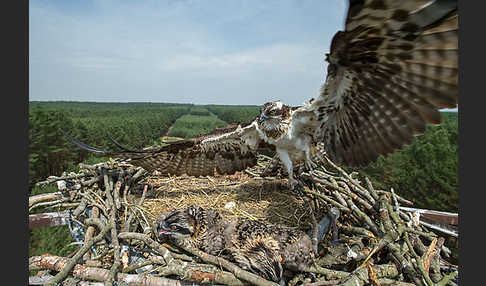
(389, 73)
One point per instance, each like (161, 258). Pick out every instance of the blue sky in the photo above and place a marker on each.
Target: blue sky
(222, 52)
(182, 51)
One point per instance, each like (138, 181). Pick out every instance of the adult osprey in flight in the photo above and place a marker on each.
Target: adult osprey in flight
(389, 72)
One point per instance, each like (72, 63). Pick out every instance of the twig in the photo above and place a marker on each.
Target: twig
(150, 242)
(116, 191)
(53, 179)
(327, 199)
(81, 207)
(57, 196)
(201, 273)
(126, 225)
(419, 263)
(95, 213)
(114, 237)
(355, 184)
(447, 278)
(70, 264)
(83, 272)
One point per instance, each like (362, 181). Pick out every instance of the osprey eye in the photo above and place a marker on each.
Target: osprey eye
(264, 276)
(174, 227)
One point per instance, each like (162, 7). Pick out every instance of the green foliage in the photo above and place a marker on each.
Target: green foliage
(49, 151)
(54, 240)
(132, 124)
(191, 125)
(235, 113)
(199, 111)
(426, 171)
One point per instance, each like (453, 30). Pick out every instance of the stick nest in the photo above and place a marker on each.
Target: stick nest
(111, 208)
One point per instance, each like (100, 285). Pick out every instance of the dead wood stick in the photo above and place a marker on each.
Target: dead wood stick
(361, 190)
(323, 283)
(95, 213)
(384, 214)
(327, 199)
(385, 270)
(52, 179)
(126, 225)
(90, 167)
(392, 282)
(356, 230)
(394, 214)
(434, 269)
(407, 267)
(81, 207)
(358, 278)
(364, 218)
(83, 272)
(108, 181)
(134, 267)
(427, 256)
(332, 183)
(96, 222)
(49, 205)
(356, 197)
(45, 197)
(39, 280)
(92, 181)
(68, 266)
(330, 274)
(103, 253)
(201, 273)
(116, 191)
(167, 256)
(370, 274)
(399, 198)
(339, 197)
(237, 271)
(447, 278)
(94, 203)
(418, 259)
(357, 188)
(372, 190)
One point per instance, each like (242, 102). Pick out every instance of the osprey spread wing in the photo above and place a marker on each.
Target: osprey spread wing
(389, 72)
(224, 150)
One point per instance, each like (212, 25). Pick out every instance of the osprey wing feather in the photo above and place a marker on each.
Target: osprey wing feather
(224, 150)
(389, 73)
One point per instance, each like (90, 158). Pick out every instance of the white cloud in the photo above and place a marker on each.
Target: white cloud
(229, 52)
(278, 57)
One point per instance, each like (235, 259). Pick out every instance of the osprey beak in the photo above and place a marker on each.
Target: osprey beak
(262, 118)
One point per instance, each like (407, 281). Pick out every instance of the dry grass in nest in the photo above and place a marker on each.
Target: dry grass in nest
(233, 196)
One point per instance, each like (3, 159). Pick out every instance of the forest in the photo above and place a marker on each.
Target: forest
(424, 172)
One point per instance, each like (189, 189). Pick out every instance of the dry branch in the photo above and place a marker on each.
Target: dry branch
(70, 264)
(80, 271)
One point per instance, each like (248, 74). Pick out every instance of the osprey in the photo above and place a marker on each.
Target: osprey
(389, 72)
(261, 248)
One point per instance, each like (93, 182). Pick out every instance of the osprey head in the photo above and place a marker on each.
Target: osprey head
(274, 118)
(180, 223)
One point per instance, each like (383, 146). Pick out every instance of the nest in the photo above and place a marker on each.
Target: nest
(111, 209)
